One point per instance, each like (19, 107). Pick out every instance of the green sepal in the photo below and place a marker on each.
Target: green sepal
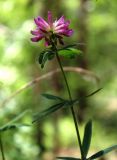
(87, 138)
(102, 152)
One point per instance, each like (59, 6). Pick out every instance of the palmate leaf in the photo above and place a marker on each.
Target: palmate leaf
(52, 97)
(40, 116)
(87, 138)
(102, 152)
(68, 158)
(63, 103)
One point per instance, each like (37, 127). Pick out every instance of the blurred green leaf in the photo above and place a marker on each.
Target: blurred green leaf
(102, 152)
(52, 97)
(69, 52)
(12, 125)
(91, 94)
(40, 116)
(44, 59)
(68, 158)
(72, 46)
(87, 138)
(41, 57)
(45, 55)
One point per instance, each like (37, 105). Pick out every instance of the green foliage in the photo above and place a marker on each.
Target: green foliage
(102, 152)
(52, 97)
(13, 125)
(40, 116)
(63, 103)
(44, 56)
(69, 51)
(87, 138)
(48, 54)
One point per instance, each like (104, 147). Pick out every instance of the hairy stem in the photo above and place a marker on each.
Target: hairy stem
(72, 109)
(1, 147)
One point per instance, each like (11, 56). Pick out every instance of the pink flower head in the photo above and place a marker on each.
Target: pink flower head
(58, 28)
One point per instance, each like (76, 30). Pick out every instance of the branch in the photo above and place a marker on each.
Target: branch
(85, 73)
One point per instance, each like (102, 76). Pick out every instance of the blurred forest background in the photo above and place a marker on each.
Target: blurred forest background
(94, 24)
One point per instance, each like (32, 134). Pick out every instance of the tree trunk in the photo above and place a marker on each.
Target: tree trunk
(82, 38)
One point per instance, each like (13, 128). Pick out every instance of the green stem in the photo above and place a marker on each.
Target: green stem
(72, 109)
(1, 147)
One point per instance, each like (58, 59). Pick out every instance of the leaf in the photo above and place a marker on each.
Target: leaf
(91, 94)
(51, 97)
(68, 158)
(69, 52)
(13, 126)
(44, 59)
(87, 138)
(75, 101)
(45, 55)
(102, 152)
(41, 57)
(72, 45)
(40, 116)
(51, 55)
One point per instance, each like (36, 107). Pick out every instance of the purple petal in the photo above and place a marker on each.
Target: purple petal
(60, 21)
(36, 32)
(41, 23)
(50, 20)
(67, 22)
(65, 32)
(62, 26)
(69, 33)
(36, 39)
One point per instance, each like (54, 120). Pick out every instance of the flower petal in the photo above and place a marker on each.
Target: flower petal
(50, 20)
(69, 33)
(36, 32)
(65, 32)
(36, 39)
(59, 22)
(62, 26)
(41, 23)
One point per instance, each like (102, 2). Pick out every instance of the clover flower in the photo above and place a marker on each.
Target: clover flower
(46, 30)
